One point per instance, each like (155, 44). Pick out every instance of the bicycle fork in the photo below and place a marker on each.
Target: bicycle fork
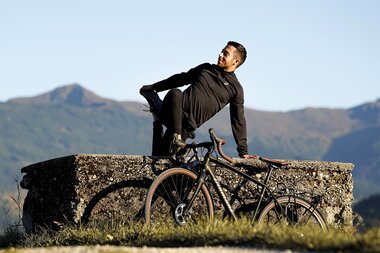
(198, 185)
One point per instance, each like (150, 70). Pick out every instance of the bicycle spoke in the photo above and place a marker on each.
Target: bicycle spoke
(166, 193)
(293, 211)
(167, 198)
(307, 217)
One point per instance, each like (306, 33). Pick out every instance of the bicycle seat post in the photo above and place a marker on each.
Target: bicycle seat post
(269, 173)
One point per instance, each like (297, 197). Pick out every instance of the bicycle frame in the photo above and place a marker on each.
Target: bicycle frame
(207, 170)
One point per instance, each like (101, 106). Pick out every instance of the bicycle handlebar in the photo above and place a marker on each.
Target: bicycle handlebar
(206, 144)
(219, 142)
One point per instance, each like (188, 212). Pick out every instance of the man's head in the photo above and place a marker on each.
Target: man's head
(232, 56)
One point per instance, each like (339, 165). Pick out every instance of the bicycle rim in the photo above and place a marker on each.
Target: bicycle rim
(291, 210)
(169, 194)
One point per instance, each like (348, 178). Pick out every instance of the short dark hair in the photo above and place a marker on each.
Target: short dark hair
(240, 51)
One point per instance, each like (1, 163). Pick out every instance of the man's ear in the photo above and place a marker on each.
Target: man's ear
(236, 61)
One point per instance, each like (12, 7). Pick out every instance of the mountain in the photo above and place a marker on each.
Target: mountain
(361, 148)
(367, 114)
(300, 134)
(75, 95)
(369, 210)
(72, 94)
(65, 121)
(72, 119)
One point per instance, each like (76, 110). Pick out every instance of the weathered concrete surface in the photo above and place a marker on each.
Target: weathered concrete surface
(84, 187)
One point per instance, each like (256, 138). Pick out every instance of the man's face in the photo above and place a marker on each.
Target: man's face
(227, 60)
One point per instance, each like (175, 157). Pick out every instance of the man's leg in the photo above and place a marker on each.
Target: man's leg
(153, 99)
(169, 112)
(157, 140)
(170, 115)
(167, 140)
(155, 103)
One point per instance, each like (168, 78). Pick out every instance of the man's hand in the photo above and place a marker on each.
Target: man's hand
(247, 156)
(147, 88)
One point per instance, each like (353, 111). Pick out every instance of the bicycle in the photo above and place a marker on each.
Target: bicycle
(181, 195)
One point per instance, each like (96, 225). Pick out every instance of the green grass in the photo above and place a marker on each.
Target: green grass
(239, 233)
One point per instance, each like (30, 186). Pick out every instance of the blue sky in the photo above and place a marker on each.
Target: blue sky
(322, 53)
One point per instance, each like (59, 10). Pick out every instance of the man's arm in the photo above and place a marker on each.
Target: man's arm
(174, 81)
(239, 127)
(239, 131)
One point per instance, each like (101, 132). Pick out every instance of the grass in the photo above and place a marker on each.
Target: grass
(241, 233)
(11, 236)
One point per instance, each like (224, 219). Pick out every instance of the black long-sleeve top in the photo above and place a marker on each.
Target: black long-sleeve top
(210, 91)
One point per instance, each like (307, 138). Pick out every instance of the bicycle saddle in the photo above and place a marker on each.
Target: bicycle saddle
(276, 163)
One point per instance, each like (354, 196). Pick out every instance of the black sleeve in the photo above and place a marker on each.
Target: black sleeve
(238, 124)
(178, 80)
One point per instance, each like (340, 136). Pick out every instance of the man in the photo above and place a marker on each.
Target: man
(211, 88)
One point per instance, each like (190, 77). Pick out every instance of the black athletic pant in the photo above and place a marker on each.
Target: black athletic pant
(171, 116)
(170, 113)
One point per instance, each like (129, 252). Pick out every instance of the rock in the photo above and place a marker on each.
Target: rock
(84, 187)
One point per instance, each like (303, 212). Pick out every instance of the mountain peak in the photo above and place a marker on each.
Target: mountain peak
(368, 112)
(73, 94)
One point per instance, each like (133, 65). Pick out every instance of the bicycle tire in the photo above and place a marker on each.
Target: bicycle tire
(165, 199)
(298, 212)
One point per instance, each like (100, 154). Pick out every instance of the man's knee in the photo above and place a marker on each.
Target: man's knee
(176, 95)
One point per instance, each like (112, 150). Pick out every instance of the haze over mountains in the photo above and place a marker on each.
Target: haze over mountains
(71, 119)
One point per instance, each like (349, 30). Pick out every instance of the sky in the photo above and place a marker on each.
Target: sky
(321, 53)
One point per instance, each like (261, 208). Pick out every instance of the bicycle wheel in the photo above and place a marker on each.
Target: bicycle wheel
(169, 194)
(292, 210)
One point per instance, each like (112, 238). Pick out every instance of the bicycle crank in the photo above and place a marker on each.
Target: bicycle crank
(179, 215)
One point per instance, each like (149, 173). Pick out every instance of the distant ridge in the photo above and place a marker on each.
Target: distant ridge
(76, 95)
(73, 94)
(368, 113)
